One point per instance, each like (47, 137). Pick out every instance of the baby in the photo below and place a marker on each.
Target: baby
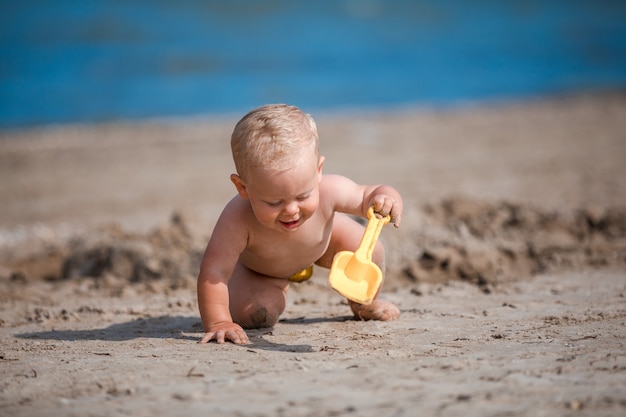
(286, 217)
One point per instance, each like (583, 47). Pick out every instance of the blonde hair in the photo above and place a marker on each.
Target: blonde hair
(274, 136)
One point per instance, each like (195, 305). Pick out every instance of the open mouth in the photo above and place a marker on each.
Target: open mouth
(290, 225)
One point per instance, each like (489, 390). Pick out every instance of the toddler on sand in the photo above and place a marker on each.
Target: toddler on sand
(286, 217)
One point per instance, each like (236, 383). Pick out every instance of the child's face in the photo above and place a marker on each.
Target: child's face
(284, 200)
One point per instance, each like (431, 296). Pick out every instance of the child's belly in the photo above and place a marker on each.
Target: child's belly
(283, 261)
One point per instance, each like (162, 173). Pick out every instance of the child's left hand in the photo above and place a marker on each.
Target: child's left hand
(385, 205)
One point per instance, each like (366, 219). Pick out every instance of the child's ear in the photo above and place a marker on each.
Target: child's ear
(239, 185)
(319, 168)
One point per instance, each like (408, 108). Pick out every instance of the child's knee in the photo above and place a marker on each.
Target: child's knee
(263, 317)
(258, 316)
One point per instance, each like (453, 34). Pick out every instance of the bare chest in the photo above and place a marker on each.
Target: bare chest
(283, 254)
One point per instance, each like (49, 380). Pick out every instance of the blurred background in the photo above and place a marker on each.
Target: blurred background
(69, 61)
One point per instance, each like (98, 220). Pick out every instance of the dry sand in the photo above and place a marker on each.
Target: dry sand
(509, 270)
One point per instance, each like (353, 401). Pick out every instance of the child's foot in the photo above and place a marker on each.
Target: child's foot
(379, 310)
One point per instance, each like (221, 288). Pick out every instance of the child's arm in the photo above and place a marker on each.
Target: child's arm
(352, 198)
(222, 253)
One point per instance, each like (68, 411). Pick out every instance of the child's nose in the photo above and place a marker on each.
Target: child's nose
(292, 207)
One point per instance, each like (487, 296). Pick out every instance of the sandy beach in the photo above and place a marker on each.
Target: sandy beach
(509, 270)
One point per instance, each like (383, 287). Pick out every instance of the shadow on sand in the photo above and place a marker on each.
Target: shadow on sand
(174, 327)
(162, 327)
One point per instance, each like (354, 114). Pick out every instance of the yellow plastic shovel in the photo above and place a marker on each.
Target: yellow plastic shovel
(353, 274)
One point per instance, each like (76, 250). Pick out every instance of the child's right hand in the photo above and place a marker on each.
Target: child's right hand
(226, 331)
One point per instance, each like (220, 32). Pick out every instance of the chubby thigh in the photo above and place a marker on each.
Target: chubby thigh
(256, 300)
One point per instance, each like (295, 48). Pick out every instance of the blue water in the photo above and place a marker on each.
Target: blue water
(90, 61)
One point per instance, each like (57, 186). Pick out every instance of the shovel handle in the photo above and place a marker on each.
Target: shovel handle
(372, 231)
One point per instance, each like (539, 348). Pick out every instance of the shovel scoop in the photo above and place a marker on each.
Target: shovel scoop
(353, 274)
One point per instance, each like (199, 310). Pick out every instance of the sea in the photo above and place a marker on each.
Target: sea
(94, 61)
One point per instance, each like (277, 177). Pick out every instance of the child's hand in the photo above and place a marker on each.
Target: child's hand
(226, 331)
(385, 205)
